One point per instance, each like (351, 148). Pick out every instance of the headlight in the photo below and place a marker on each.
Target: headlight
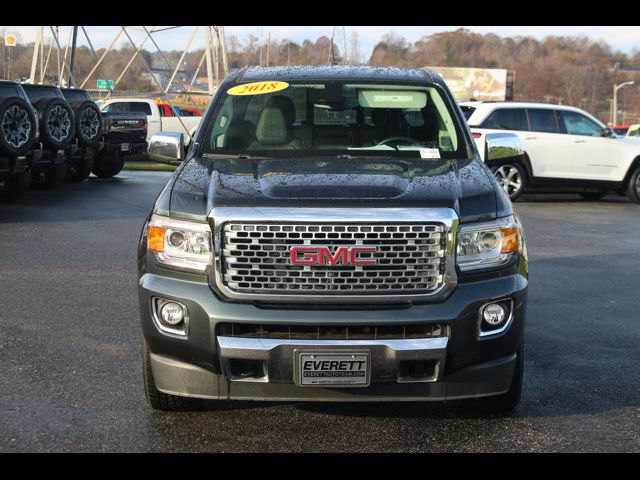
(178, 244)
(488, 244)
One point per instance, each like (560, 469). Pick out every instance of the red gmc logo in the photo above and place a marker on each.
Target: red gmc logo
(323, 256)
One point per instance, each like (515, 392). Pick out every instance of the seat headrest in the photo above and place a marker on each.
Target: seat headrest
(285, 104)
(272, 127)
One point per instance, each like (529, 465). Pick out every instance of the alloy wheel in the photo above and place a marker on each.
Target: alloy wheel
(89, 123)
(509, 178)
(59, 123)
(16, 126)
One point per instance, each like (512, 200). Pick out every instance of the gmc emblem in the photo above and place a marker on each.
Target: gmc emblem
(323, 256)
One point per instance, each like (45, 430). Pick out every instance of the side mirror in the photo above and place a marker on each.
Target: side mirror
(503, 146)
(606, 132)
(166, 147)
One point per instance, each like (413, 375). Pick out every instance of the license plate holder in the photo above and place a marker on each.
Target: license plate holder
(124, 147)
(332, 368)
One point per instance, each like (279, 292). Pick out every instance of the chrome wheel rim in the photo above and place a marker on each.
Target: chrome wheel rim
(59, 123)
(16, 126)
(509, 179)
(89, 123)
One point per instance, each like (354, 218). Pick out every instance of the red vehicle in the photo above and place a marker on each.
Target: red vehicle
(191, 112)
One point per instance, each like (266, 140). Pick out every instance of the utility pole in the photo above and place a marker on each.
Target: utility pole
(268, 47)
(344, 41)
(331, 51)
(260, 46)
(614, 118)
(58, 56)
(73, 55)
(36, 52)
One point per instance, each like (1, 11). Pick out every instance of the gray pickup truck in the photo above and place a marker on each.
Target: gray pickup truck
(332, 235)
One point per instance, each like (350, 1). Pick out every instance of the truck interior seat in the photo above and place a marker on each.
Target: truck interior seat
(273, 131)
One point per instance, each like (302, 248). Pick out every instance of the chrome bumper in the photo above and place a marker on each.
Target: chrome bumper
(278, 355)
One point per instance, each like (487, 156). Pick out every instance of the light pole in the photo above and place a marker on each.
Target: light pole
(614, 118)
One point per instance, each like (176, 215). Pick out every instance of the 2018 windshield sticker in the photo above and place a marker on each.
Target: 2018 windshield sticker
(257, 88)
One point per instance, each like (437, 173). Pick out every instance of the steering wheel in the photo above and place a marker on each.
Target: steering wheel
(398, 140)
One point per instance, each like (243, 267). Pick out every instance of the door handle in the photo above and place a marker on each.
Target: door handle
(530, 138)
(579, 141)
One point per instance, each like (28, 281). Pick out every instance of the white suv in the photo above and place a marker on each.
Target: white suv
(565, 149)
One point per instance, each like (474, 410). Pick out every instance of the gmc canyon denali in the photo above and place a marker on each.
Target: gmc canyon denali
(333, 235)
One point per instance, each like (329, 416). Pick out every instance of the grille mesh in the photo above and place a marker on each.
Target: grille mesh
(410, 258)
(332, 332)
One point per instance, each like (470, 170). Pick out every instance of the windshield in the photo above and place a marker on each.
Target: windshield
(333, 118)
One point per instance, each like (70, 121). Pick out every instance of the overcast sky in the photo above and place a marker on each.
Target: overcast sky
(624, 38)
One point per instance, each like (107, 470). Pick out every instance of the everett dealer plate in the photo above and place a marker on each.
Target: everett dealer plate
(335, 369)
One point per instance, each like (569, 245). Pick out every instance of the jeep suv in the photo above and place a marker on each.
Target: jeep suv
(566, 150)
(332, 235)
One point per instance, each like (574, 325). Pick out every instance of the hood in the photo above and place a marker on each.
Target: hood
(463, 185)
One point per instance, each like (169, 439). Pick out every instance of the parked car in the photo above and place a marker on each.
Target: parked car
(57, 132)
(124, 134)
(160, 118)
(19, 145)
(566, 149)
(633, 131)
(332, 235)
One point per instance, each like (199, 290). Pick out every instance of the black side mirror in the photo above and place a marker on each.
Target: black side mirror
(606, 132)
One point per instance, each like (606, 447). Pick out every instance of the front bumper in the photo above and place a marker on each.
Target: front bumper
(75, 154)
(466, 366)
(44, 159)
(126, 148)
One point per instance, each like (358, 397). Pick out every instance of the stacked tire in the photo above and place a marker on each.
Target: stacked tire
(18, 133)
(57, 130)
(18, 127)
(88, 128)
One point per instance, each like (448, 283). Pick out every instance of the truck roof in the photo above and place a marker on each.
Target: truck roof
(38, 85)
(71, 89)
(508, 103)
(338, 72)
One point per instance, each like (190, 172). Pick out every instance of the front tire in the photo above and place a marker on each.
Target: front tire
(512, 179)
(81, 172)
(106, 166)
(159, 400)
(633, 189)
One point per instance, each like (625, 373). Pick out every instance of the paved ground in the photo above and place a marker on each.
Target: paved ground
(69, 342)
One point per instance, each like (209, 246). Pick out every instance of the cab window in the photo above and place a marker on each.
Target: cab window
(542, 120)
(577, 124)
(507, 119)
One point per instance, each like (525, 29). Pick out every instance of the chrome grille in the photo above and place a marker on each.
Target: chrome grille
(410, 258)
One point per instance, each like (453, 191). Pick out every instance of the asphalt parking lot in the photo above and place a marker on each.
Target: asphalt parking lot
(71, 376)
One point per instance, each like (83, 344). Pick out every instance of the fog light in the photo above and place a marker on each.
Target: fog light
(494, 314)
(170, 317)
(172, 313)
